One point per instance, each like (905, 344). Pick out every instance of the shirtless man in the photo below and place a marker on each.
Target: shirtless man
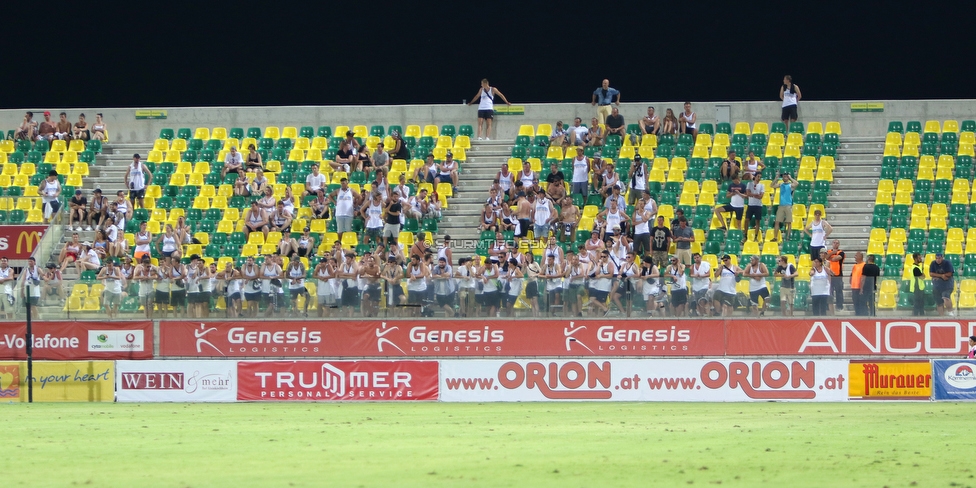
(370, 272)
(569, 216)
(524, 215)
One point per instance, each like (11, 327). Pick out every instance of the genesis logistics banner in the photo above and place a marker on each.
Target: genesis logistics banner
(78, 340)
(644, 380)
(563, 338)
(176, 381)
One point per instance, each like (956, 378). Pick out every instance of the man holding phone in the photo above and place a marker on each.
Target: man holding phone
(784, 213)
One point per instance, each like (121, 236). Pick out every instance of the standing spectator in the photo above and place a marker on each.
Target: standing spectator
(638, 180)
(642, 231)
(372, 212)
(736, 196)
(63, 131)
(486, 106)
(345, 199)
(47, 129)
(683, 237)
(32, 278)
(444, 288)
(581, 173)
(941, 273)
(818, 230)
(757, 272)
(660, 243)
(28, 128)
(790, 95)
(670, 123)
(730, 167)
(77, 207)
(857, 297)
(50, 191)
(650, 123)
(8, 278)
(689, 121)
(558, 136)
(869, 284)
(136, 179)
(99, 129)
(917, 286)
(113, 281)
(726, 275)
(819, 287)
(755, 191)
(579, 134)
(543, 216)
(80, 129)
(314, 182)
(679, 287)
(787, 289)
(391, 225)
(784, 213)
(701, 281)
(602, 98)
(52, 284)
(835, 259)
(569, 216)
(615, 123)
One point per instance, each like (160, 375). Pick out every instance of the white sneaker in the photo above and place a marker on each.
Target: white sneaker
(487, 139)
(951, 313)
(86, 228)
(480, 139)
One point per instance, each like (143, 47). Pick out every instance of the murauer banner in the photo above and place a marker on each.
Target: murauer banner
(78, 340)
(58, 381)
(613, 379)
(421, 338)
(337, 380)
(176, 381)
(890, 380)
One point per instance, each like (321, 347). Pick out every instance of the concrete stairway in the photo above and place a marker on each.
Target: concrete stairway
(463, 215)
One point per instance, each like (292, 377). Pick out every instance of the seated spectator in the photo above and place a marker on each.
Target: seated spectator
(418, 207)
(98, 209)
(751, 166)
(255, 220)
(314, 182)
(730, 167)
(611, 180)
(258, 184)
(280, 220)
(63, 131)
(254, 162)
(28, 128)
(487, 219)
(530, 180)
(615, 123)
(77, 208)
(650, 123)
(556, 190)
(100, 245)
(47, 129)
(288, 200)
(88, 261)
(670, 124)
(343, 159)
(242, 187)
(579, 134)
(597, 133)
(400, 149)
(362, 160)
(506, 179)
(380, 158)
(554, 174)
(268, 200)
(434, 206)
(447, 171)
(80, 129)
(558, 136)
(351, 141)
(320, 206)
(689, 121)
(99, 130)
(233, 162)
(402, 188)
(70, 253)
(614, 196)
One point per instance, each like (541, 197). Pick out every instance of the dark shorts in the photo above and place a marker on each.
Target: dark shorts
(510, 300)
(532, 290)
(754, 213)
(162, 297)
(197, 297)
(698, 295)
(524, 226)
(445, 299)
(789, 112)
(600, 296)
(233, 296)
(253, 297)
(177, 298)
(941, 291)
(350, 297)
(754, 296)
(374, 293)
(737, 210)
(167, 254)
(134, 194)
(815, 252)
(724, 298)
(55, 206)
(490, 299)
(679, 297)
(486, 114)
(374, 232)
(415, 297)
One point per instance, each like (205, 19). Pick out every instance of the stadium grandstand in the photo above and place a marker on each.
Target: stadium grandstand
(402, 211)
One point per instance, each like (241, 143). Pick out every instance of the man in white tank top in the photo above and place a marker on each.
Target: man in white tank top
(543, 216)
(486, 106)
(790, 95)
(689, 121)
(581, 173)
(345, 199)
(757, 272)
(136, 178)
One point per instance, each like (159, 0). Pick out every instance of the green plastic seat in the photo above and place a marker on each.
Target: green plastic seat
(308, 132)
(723, 128)
(448, 130)
(167, 134)
(796, 127)
(236, 133)
(896, 126)
(913, 126)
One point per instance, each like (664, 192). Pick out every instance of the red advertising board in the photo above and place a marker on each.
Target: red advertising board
(472, 338)
(859, 337)
(19, 241)
(78, 340)
(337, 380)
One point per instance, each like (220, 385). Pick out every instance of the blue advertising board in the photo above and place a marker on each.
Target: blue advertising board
(954, 379)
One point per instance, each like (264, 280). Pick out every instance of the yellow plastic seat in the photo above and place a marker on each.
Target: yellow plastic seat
(773, 150)
(946, 161)
(910, 150)
(719, 151)
(177, 179)
(208, 191)
(155, 157)
(350, 240)
(289, 132)
(879, 235)
(194, 179)
(955, 234)
(742, 128)
(875, 247)
(202, 133)
(202, 168)
(296, 155)
(966, 149)
(74, 180)
(444, 141)
(35, 216)
(525, 130)
(700, 151)
(52, 157)
(794, 139)
(80, 169)
(544, 130)
(69, 157)
(932, 126)
(791, 151)
(893, 138)
(28, 169)
(967, 138)
(161, 145)
(272, 133)
(648, 140)
(833, 127)
(886, 186)
(825, 174)
(815, 128)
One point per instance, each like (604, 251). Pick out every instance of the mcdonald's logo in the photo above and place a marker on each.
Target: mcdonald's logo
(27, 241)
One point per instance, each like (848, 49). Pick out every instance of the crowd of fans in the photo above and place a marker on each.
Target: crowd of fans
(49, 130)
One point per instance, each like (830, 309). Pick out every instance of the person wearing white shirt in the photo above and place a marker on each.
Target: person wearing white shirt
(790, 95)
(755, 191)
(701, 281)
(314, 181)
(233, 161)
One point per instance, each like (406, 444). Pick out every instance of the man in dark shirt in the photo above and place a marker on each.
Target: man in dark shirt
(869, 284)
(678, 215)
(787, 290)
(941, 272)
(77, 207)
(736, 204)
(391, 226)
(554, 174)
(615, 123)
(660, 243)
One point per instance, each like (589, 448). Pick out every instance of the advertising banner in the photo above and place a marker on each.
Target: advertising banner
(78, 340)
(176, 381)
(954, 379)
(858, 337)
(59, 381)
(612, 379)
(19, 241)
(422, 338)
(337, 380)
(890, 380)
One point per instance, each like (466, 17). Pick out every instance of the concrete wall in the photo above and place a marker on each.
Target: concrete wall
(124, 128)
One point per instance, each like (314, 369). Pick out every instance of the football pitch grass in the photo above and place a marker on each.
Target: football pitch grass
(494, 444)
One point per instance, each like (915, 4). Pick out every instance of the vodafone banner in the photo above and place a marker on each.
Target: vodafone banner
(337, 380)
(612, 379)
(176, 381)
(78, 340)
(848, 337)
(422, 338)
